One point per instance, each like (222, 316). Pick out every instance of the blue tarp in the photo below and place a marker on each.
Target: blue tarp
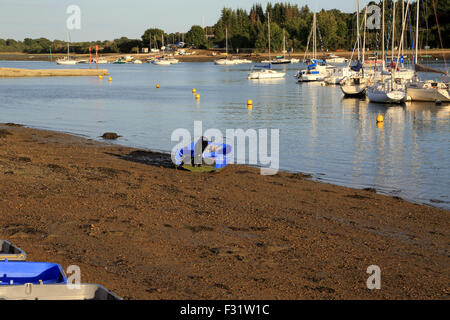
(357, 67)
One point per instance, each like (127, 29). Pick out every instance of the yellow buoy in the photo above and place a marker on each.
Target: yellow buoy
(157, 86)
(197, 97)
(194, 91)
(250, 102)
(380, 118)
(100, 77)
(109, 79)
(380, 125)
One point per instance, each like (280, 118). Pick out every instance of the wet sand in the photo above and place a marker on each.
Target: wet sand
(15, 72)
(144, 230)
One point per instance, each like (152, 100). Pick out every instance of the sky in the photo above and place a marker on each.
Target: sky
(112, 19)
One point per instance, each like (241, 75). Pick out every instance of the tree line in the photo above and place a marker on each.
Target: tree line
(289, 24)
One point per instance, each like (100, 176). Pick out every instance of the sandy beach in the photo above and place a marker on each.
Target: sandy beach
(145, 230)
(21, 73)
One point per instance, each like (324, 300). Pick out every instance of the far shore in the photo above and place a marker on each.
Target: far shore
(145, 230)
(210, 55)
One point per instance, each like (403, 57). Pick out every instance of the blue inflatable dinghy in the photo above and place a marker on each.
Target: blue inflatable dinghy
(216, 155)
(20, 273)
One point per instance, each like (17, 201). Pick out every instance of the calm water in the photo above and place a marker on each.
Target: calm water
(322, 133)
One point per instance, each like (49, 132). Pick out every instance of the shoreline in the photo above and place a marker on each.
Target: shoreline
(314, 176)
(147, 231)
(206, 55)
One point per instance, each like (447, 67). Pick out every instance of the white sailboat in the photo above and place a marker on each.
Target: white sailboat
(265, 72)
(356, 82)
(162, 61)
(282, 59)
(226, 61)
(389, 90)
(67, 61)
(318, 70)
(430, 91)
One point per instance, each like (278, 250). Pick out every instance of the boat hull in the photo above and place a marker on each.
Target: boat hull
(386, 97)
(428, 95)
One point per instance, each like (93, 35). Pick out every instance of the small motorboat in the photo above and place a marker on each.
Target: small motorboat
(119, 61)
(226, 62)
(265, 72)
(162, 62)
(317, 71)
(66, 62)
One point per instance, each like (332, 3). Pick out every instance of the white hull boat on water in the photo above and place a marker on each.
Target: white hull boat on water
(243, 61)
(162, 62)
(315, 72)
(173, 61)
(137, 62)
(66, 62)
(102, 61)
(385, 92)
(338, 75)
(355, 85)
(265, 74)
(226, 62)
(429, 91)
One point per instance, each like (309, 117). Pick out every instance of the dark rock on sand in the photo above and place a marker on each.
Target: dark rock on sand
(110, 136)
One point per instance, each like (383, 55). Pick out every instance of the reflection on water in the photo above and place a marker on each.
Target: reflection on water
(335, 138)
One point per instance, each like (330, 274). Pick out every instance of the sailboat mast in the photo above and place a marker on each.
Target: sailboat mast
(358, 36)
(314, 36)
(382, 40)
(417, 32)
(68, 40)
(364, 41)
(226, 41)
(268, 22)
(393, 32)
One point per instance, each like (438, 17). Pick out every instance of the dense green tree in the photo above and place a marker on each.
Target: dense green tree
(196, 37)
(153, 38)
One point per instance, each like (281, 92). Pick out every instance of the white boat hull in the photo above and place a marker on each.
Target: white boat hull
(380, 96)
(353, 87)
(225, 62)
(268, 74)
(418, 92)
(162, 62)
(66, 62)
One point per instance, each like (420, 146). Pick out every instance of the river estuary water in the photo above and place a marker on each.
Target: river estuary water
(321, 133)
